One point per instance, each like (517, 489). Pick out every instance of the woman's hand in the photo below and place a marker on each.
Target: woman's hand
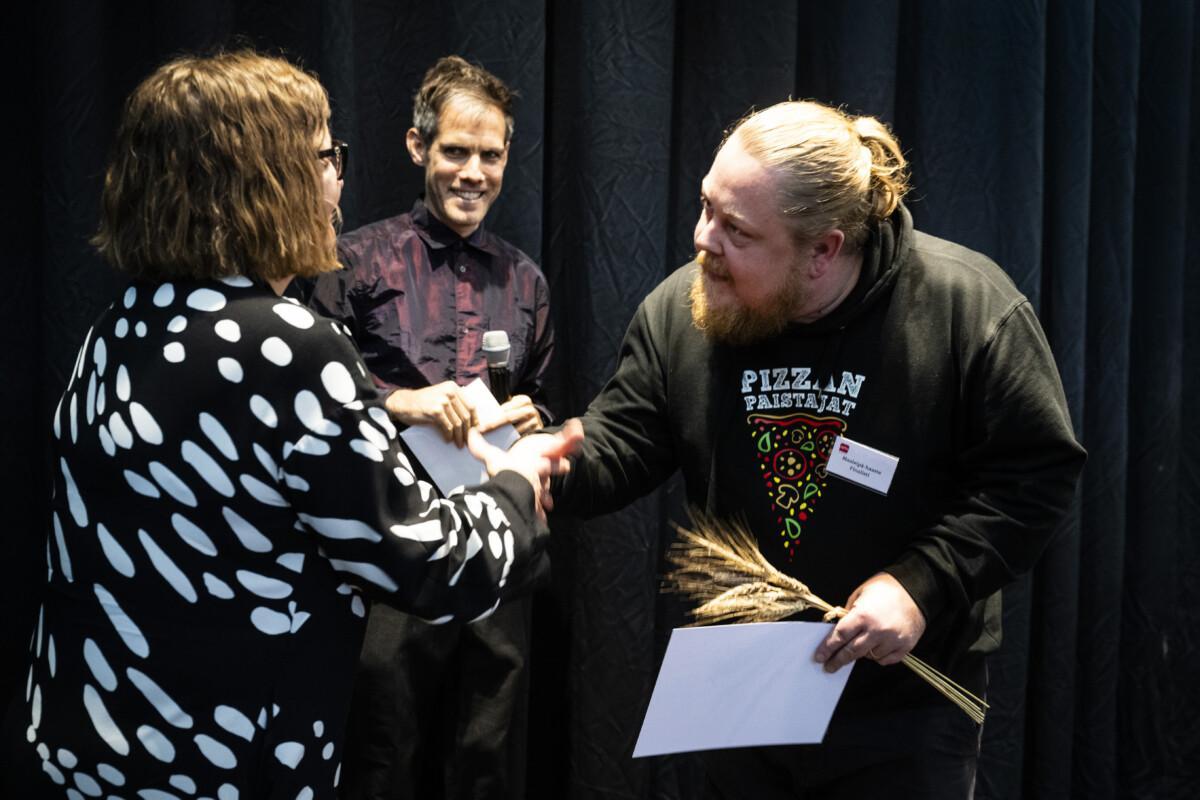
(537, 457)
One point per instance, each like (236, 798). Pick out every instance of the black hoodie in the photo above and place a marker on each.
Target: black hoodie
(934, 358)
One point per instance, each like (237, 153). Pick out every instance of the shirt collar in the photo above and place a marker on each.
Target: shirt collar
(437, 235)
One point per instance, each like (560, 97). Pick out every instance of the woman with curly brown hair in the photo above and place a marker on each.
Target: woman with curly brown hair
(228, 486)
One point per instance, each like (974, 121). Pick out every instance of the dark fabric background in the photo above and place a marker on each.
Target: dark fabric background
(1060, 138)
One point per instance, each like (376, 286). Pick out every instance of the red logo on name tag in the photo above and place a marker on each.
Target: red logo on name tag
(844, 448)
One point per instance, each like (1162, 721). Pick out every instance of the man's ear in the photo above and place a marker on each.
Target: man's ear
(416, 146)
(825, 250)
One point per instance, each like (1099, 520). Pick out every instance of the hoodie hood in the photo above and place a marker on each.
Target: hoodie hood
(884, 251)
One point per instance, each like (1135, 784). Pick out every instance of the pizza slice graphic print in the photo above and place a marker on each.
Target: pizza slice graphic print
(792, 451)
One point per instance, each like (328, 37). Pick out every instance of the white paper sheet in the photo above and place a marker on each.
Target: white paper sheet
(741, 685)
(450, 466)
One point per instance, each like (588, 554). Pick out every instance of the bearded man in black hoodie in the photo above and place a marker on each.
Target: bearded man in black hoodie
(814, 311)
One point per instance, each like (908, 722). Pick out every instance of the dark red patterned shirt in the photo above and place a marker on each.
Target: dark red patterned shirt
(417, 299)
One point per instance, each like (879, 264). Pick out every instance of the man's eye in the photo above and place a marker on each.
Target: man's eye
(454, 152)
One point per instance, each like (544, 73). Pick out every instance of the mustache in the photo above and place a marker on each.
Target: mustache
(712, 265)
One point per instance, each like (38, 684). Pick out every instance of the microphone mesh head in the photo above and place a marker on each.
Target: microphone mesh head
(496, 347)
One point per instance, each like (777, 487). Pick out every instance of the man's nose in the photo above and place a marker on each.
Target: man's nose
(471, 170)
(703, 238)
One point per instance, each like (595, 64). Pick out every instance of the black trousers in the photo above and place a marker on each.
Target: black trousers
(921, 754)
(439, 711)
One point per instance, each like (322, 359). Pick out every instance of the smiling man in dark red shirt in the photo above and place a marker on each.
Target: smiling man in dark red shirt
(438, 709)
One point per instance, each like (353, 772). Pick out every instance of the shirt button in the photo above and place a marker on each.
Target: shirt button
(462, 267)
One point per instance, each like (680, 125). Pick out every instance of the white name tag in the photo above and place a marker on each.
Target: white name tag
(870, 468)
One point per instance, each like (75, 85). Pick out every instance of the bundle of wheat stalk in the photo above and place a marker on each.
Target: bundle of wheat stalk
(718, 565)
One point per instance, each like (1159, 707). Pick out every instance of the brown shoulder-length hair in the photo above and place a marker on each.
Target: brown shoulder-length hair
(214, 173)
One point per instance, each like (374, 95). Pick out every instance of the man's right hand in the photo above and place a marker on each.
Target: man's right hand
(442, 406)
(537, 457)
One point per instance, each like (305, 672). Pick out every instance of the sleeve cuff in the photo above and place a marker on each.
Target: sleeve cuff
(920, 580)
(517, 491)
(515, 497)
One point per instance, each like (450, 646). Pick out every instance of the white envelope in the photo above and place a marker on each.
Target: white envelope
(743, 685)
(449, 466)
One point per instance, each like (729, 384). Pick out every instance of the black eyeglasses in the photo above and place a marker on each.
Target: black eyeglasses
(338, 155)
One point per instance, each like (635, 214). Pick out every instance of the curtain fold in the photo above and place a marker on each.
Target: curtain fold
(1059, 138)
(1148, 676)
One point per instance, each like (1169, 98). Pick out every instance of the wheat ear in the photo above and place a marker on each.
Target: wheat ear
(719, 565)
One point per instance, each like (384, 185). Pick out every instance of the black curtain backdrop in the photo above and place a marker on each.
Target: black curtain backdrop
(1060, 138)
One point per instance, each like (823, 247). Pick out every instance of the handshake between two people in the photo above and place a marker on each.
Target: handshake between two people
(444, 407)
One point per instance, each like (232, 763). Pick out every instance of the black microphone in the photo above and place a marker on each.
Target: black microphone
(496, 350)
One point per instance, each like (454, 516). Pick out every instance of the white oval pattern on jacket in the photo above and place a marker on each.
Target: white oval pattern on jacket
(158, 536)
